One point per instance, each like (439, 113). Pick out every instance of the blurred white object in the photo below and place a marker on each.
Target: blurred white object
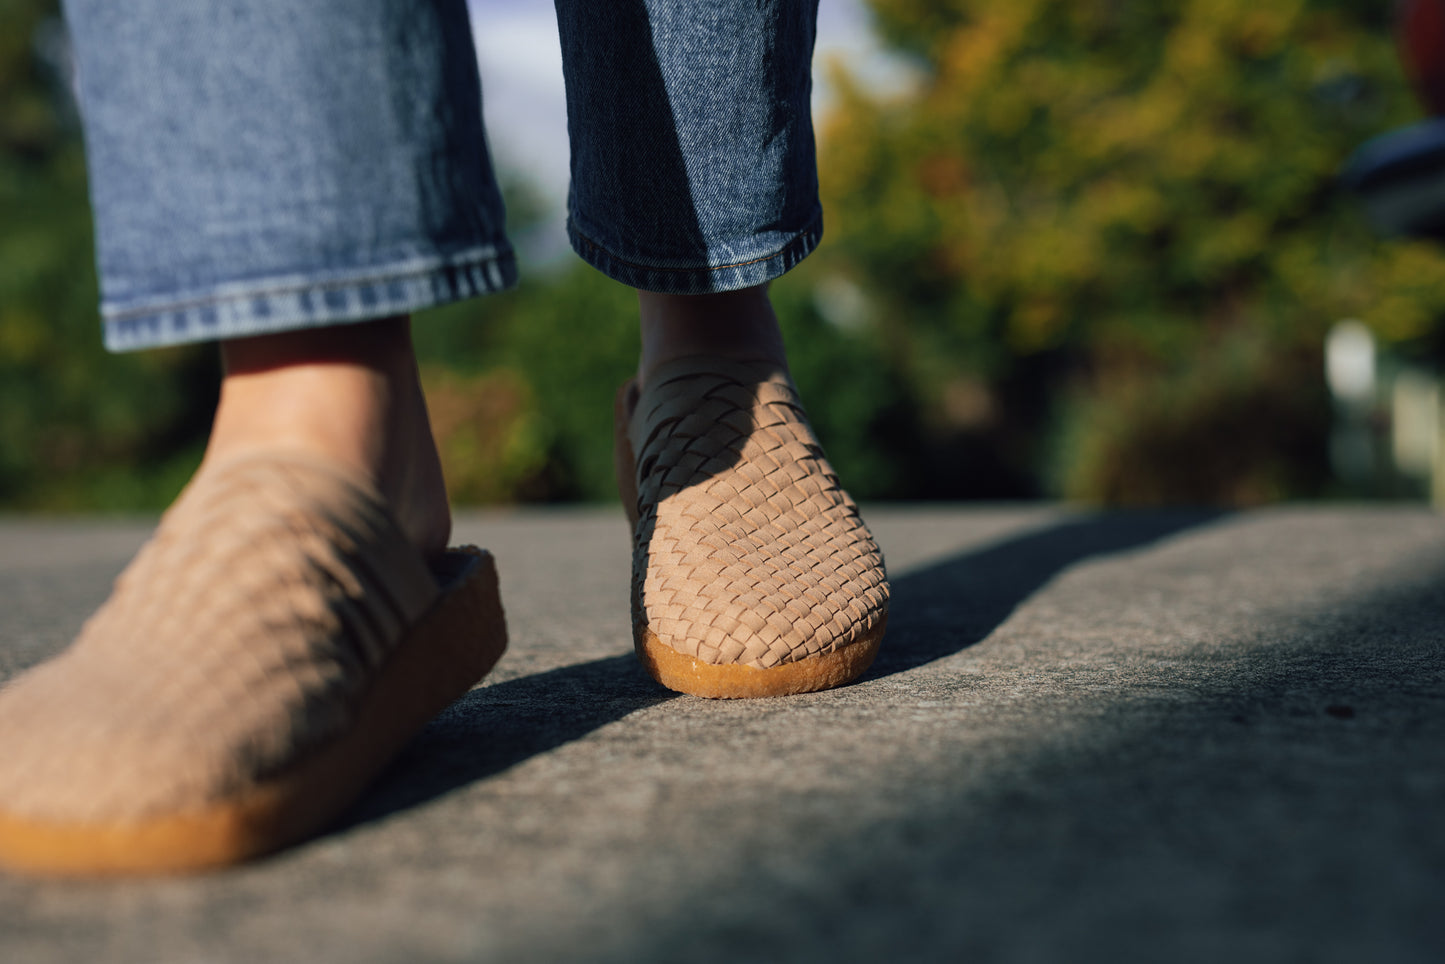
(1350, 363)
(1415, 423)
(841, 303)
(1350, 374)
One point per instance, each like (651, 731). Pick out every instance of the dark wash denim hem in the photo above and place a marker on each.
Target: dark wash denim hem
(243, 310)
(695, 279)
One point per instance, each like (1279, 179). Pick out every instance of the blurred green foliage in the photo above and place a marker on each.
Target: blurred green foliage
(78, 428)
(1111, 228)
(1092, 251)
(560, 345)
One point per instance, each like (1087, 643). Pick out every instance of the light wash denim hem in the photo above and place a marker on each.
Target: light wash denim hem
(684, 279)
(289, 304)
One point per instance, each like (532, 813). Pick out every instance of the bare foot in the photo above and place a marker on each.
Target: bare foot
(350, 393)
(739, 325)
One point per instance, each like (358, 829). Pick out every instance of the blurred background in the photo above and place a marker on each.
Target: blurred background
(1082, 249)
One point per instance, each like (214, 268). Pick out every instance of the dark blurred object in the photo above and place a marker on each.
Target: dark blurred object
(55, 62)
(1400, 177)
(1154, 437)
(1420, 32)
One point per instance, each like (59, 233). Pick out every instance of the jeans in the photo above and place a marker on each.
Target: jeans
(267, 165)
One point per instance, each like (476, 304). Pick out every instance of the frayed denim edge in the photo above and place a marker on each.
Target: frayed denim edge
(270, 308)
(710, 279)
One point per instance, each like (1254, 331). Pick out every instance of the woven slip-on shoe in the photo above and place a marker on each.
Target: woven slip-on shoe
(267, 652)
(752, 571)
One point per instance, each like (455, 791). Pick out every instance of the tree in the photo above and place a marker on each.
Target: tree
(1084, 200)
(78, 428)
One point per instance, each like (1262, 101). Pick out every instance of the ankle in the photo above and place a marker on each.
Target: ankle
(328, 390)
(735, 325)
(350, 394)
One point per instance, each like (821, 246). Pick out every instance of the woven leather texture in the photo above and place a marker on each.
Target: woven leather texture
(747, 550)
(238, 638)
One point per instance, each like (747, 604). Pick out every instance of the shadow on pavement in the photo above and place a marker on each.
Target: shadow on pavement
(951, 605)
(936, 611)
(497, 727)
(1274, 797)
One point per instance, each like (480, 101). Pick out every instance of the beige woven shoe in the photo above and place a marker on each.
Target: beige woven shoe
(752, 572)
(266, 653)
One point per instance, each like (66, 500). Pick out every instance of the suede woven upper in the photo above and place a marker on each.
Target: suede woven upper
(237, 639)
(747, 550)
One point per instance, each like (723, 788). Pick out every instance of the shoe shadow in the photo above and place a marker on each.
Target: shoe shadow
(935, 612)
(951, 605)
(496, 727)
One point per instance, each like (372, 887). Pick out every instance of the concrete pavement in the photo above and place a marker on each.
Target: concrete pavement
(1177, 736)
